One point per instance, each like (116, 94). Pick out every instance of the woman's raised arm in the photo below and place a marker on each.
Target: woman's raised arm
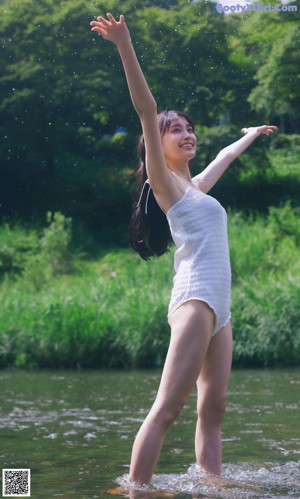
(226, 156)
(141, 96)
(118, 33)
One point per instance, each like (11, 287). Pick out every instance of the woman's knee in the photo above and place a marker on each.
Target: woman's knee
(166, 413)
(212, 409)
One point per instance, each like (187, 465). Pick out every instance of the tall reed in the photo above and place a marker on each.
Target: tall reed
(111, 312)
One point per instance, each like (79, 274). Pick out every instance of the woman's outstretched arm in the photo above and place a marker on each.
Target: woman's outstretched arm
(226, 156)
(141, 96)
(118, 33)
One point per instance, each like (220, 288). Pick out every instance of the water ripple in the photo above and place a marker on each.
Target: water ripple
(239, 481)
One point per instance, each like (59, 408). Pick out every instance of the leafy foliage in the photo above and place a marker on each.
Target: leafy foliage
(64, 95)
(267, 60)
(53, 256)
(282, 97)
(16, 244)
(37, 258)
(111, 312)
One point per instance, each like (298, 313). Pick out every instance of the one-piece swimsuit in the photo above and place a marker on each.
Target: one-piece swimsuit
(198, 225)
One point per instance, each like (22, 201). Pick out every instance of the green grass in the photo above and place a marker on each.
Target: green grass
(266, 288)
(112, 311)
(107, 315)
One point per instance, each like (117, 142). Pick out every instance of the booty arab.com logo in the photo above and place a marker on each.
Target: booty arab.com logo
(254, 7)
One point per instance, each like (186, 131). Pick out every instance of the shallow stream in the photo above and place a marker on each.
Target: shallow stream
(74, 430)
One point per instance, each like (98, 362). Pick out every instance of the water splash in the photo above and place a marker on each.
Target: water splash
(238, 481)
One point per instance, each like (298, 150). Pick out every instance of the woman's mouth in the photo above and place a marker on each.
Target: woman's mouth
(187, 145)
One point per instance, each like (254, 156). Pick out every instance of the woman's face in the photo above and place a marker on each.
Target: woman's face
(179, 141)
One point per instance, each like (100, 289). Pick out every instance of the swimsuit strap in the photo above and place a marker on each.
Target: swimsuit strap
(139, 201)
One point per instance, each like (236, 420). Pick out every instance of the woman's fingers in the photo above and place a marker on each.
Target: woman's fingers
(103, 21)
(101, 31)
(102, 24)
(111, 18)
(265, 129)
(97, 24)
(110, 29)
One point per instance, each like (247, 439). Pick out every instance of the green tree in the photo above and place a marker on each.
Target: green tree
(63, 93)
(265, 51)
(53, 100)
(277, 92)
(62, 89)
(185, 55)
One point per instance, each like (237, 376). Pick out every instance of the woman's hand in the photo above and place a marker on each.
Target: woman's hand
(265, 129)
(216, 168)
(112, 30)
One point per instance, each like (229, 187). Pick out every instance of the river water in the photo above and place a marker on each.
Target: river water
(74, 431)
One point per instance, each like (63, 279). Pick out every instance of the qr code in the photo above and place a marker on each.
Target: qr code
(15, 483)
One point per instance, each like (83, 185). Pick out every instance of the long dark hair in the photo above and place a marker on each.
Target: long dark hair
(149, 232)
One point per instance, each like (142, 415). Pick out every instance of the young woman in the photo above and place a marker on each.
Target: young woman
(199, 313)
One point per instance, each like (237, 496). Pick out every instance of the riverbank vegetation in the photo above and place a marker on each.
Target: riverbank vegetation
(60, 309)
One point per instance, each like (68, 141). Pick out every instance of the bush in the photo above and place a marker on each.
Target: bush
(53, 256)
(284, 141)
(16, 245)
(285, 222)
(37, 256)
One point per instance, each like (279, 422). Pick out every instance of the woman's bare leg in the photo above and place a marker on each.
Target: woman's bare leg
(212, 387)
(191, 329)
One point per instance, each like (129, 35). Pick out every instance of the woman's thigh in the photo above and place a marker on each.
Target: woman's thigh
(213, 380)
(191, 332)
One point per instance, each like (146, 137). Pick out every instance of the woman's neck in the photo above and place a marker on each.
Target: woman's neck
(180, 168)
(184, 175)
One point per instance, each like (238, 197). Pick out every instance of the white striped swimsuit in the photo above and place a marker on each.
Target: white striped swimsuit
(198, 225)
